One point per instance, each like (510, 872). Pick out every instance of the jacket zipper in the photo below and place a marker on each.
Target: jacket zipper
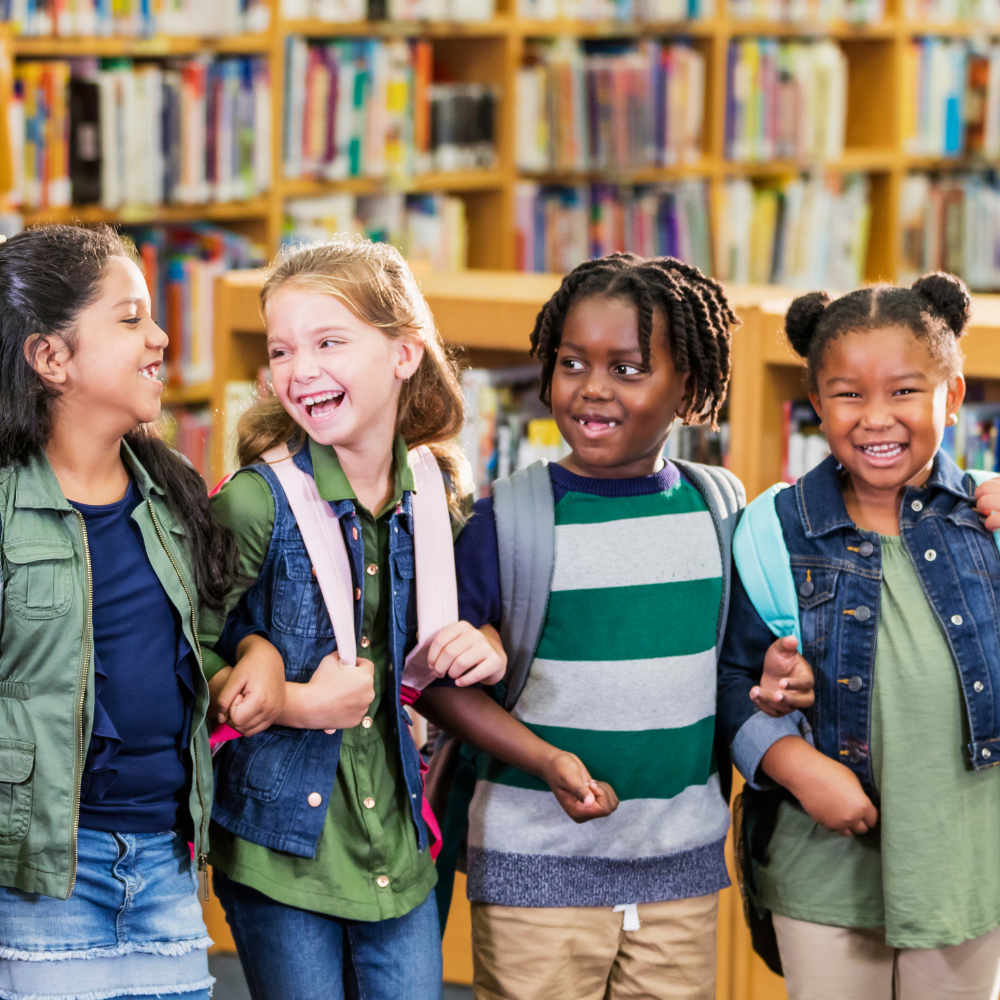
(88, 639)
(202, 856)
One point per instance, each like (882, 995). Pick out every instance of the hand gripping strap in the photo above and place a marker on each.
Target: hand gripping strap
(764, 566)
(978, 477)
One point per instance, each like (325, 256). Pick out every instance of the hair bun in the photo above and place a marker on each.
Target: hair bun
(801, 320)
(949, 296)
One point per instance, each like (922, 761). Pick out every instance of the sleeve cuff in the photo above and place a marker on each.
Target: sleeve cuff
(235, 632)
(211, 663)
(757, 735)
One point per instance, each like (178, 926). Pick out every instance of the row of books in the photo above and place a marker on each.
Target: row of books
(810, 232)
(181, 264)
(952, 224)
(189, 431)
(650, 11)
(430, 230)
(369, 108)
(68, 18)
(187, 132)
(803, 443)
(609, 105)
(341, 11)
(560, 227)
(785, 100)
(809, 11)
(974, 442)
(947, 11)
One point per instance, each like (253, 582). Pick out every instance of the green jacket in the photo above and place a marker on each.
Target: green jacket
(46, 680)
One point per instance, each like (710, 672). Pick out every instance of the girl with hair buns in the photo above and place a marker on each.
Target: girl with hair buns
(868, 824)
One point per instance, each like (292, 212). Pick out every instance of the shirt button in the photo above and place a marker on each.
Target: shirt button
(986, 753)
(382, 881)
(855, 684)
(354, 532)
(357, 593)
(930, 555)
(862, 613)
(807, 588)
(365, 642)
(372, 569)
(314, 799)
(956, 619)
(917, 506)
(866, 549)
(977, 687)
(329, 732)
(366, 722)
(369, 803)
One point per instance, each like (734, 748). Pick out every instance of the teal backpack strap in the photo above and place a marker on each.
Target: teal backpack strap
(978, 477)
(725, 497)
(526, 525)
(764, 566)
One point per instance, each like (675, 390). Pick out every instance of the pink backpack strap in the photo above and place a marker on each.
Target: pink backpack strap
(434, 554)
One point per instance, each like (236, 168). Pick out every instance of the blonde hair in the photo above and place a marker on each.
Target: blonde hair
(375, 283)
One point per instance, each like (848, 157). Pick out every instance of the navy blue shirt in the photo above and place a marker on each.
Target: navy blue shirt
(136, 772)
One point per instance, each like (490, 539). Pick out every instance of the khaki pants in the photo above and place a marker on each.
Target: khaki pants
(582, 953)
(833, 963)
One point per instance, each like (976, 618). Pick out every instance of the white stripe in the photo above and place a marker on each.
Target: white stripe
(667, 548)
(664, 692)
(523, 821)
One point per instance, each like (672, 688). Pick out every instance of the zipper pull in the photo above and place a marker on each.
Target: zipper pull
(203, 875)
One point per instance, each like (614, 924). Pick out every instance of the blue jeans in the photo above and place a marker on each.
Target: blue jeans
(131, 927)
(290, 954)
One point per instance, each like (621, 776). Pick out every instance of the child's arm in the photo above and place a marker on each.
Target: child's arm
(335, 697)
(474, 717)
(828, 791)
(787, 681)
(249, 696)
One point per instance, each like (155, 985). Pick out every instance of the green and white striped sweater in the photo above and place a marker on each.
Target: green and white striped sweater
(625, 677)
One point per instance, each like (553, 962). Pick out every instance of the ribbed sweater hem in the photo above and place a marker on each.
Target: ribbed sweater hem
(550, 880)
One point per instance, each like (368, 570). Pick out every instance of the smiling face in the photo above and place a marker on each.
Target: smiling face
(614, 409)
(117, 353)
(337, 376)
(884, 402)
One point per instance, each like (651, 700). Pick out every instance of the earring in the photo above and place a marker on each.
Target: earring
(952, 419)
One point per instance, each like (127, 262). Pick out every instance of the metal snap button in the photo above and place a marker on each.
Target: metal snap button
(986, 753)
(314, 799)
(978, 687)
(862, 613)
(357, 593)
(366, 722)
(917, 506)
(930, 555)
(365, 642)
(382, 881)
(372, 569)
(354, 532)
(369, 803)
(855, 684)
(956, 619)
(866, 549)
(807, 588)
(329, 732)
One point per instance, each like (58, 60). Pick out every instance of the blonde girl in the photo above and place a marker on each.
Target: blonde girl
(320, 852)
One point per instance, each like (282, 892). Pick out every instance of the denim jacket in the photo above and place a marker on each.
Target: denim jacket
(264, 781)
(837, 572)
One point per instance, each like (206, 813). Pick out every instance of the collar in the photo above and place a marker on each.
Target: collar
(821, 498)
(659, 482)
(38, 487)
(332, 482)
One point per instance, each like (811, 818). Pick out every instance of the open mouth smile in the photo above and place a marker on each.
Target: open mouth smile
(150, 371)
(882, 454)
(322, 404)
(595, 426)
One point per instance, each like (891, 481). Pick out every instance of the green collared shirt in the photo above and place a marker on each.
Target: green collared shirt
(368, 831)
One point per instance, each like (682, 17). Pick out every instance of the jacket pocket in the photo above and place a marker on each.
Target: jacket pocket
(261, 763)
(39, 581)
(17, 762)
(815, 587)
(299, 608)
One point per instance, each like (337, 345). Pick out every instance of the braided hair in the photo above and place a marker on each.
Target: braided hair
(698, 316)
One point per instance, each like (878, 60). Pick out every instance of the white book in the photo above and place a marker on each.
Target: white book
(296, 60)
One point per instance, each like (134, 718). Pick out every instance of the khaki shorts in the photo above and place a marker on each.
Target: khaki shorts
(583, 953)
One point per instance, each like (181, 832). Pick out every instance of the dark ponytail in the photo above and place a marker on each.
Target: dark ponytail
(48, 276)
(935, 309)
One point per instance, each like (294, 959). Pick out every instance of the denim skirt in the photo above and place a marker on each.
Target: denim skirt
(132, 926)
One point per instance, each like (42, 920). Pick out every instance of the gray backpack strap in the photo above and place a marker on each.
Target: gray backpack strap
(526, 523)
(725, 497)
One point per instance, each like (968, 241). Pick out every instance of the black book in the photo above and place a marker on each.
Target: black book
(84, 141)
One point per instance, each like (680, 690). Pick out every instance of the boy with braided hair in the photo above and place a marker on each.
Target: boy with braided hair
(607, 577)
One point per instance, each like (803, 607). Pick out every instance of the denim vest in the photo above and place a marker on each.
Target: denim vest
(837, 572)
(264, 781)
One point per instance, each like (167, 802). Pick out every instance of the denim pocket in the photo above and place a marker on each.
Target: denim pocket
(815, 587)
(261, 763)
(299, 608)
(17, 762)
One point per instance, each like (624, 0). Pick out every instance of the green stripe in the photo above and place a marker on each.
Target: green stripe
(650, 764)
(586, 508)
(632, 623)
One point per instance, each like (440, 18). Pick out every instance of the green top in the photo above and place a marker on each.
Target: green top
(935, 878)
(358, 843)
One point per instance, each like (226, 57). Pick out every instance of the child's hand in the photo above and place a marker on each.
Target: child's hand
(253, 693)
(828, 790)
(581, 797)
(988, 503)
(787, 681)
(469, 655)
(335, 697)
